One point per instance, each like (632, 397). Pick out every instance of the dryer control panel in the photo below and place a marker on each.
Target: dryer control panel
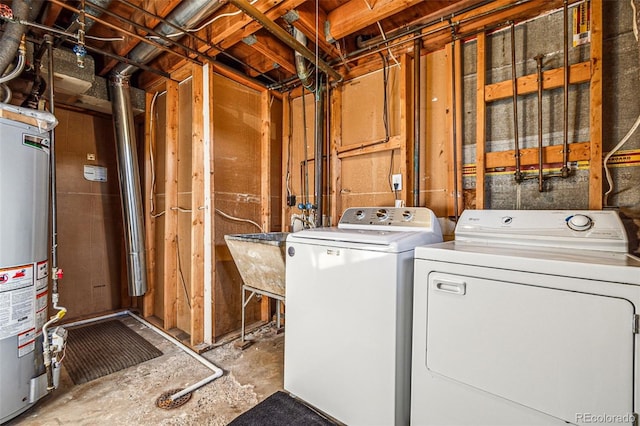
(581, 229)
(392, 218)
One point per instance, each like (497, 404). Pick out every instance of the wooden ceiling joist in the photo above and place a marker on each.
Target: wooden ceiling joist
(307, 24)
(129, 44)
(229, 31)
(273, 49)
(358, 14)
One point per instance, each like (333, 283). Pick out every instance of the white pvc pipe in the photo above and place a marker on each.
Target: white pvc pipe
(217, 371)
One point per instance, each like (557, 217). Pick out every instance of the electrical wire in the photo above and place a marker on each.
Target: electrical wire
(391, 171)
(152, 139)
(385, 107)
(613, 151)
(627, 136)
(382, 34)
(239, 219)
(104, 38)
(635, 22)
(206, 24)
(184, 283)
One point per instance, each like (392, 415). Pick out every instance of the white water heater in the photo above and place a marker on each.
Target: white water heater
(24, 201)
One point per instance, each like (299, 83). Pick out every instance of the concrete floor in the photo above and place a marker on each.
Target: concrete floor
(128, 397)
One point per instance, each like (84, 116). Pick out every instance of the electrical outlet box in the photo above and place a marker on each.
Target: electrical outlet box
(396, 182)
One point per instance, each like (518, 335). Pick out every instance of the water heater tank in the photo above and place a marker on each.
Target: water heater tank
(24, 200)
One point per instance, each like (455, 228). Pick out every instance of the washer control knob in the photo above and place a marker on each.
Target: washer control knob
(579, 222)
(382, 214)
(360, 214)
(407, 215)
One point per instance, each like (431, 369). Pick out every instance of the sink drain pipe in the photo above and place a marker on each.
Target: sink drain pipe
(217, 371)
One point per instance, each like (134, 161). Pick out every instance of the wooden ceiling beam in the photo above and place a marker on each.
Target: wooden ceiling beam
(307, 24)
(228, 32)
(358, 14)
(253, 27)
(256, 64)
(276, 51)
(129, 45)
(437, 35)
(51, 14)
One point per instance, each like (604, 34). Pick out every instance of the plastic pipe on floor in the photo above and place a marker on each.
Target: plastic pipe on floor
(217, 371)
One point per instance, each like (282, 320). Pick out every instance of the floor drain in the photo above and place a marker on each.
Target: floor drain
(164, 400)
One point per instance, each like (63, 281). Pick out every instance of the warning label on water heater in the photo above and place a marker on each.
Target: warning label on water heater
(17, 303)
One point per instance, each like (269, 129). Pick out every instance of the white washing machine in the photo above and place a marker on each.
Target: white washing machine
(527, 318)
(349, 295)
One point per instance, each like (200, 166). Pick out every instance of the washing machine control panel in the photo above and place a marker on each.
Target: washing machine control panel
(585, 230)
(389, 217)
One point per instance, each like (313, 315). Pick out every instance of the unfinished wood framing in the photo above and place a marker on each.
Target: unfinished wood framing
(481, 119)
(362, 156)
(335, 186)
(265, 180)
(551, 79)
(196, 330)
(365, 158)
(589, 71)
(286, 159)
(595, 101)
(437, 190)
(150, 220)
(457, 122)
(170, 262)
(176, 231)
(237, 145)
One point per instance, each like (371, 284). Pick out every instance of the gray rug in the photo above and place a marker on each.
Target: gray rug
(280, 409)
(96, 350)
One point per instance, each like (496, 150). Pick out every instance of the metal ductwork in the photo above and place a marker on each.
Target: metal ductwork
(302, 68)
(129, 184)
(186, 15)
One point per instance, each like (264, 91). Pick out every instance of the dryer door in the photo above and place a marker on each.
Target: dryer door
(564, 353)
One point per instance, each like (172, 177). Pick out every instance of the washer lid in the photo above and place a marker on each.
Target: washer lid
(392, 241)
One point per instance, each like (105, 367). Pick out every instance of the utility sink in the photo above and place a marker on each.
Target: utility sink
(260, 259)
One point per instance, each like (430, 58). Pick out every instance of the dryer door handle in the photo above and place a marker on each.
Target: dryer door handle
(453, 287)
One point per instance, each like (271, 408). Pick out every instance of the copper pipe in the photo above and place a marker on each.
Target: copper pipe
(518, 174)
(538, 59)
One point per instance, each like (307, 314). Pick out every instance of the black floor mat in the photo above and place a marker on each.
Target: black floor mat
(280, 409)
(102, 348)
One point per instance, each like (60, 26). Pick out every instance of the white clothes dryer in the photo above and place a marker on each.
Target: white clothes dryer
(527, 318)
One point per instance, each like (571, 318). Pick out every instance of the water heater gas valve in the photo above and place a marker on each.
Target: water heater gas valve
(58, 341)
